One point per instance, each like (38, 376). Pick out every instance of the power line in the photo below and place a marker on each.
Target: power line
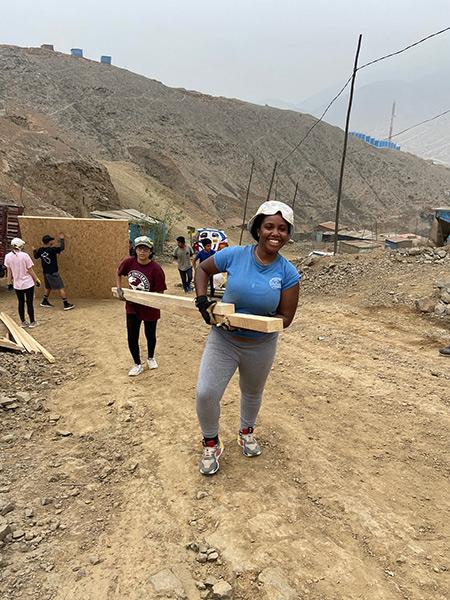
(348, 81)
(421, 123)
(317, 122)
(372, 62)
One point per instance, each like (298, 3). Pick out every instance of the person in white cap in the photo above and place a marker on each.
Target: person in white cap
(23, 279)
(143, 274)
(262, 282)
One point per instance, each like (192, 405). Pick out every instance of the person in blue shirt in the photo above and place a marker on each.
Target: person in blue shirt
(203, 255)
(259, 281)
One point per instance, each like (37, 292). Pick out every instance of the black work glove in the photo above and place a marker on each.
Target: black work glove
(120, 294)
(10, 286)
(206, 307)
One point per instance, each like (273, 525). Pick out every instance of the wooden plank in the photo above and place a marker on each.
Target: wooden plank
(5, 343)
(44, 351)
(178, 304)
(23, 338)
(255, 322)
(11, 336)
(16, 331)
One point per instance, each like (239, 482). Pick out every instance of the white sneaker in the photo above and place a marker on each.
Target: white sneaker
(152, 364)
(136, 370)
(33, 324)
(24, 324)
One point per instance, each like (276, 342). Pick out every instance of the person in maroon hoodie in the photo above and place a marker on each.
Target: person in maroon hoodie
(145, 275)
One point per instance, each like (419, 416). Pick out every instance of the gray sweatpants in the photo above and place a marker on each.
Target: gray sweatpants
(222, 355)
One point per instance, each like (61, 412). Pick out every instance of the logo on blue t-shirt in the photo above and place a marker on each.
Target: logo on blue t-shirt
(275, 283)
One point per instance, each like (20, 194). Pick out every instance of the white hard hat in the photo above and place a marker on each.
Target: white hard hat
(272, 207)
(17, 243)
(143, 240)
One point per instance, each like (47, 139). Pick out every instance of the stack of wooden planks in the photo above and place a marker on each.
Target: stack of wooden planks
(20, 340)
(222, 311)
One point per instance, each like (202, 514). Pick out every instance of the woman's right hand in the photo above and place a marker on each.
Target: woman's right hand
(120, 294)
(206, 307)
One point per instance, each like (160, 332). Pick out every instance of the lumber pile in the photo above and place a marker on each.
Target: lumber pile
(20, 340)
(223, 312)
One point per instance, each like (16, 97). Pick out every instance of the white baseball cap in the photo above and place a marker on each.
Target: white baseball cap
(17, 243)
(143, 240)
(272, 207)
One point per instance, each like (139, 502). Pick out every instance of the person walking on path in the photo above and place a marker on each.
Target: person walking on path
(183, 255)
(203, 255)
(261, 282)
(143, 274)
(48, 253)
(21, 276)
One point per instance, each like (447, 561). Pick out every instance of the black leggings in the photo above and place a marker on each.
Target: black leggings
(133, 329)
(27, 295)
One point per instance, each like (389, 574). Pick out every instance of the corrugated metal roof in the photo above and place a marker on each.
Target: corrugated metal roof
(130, 214)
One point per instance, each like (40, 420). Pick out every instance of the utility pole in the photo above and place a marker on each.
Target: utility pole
(295, 196)
(391, 128)
(271, 181)
(246, 201)
(344, 150)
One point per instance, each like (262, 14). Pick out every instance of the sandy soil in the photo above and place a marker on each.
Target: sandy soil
(349, 500)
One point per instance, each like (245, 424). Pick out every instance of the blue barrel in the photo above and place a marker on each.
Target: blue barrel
(78, 52)
(105, 60)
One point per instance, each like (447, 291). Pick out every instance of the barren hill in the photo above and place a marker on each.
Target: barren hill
(186, 154)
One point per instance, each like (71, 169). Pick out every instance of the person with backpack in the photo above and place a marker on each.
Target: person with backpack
(48, 253)
(202, 255)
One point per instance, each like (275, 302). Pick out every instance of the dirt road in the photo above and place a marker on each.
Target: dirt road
(349, 500)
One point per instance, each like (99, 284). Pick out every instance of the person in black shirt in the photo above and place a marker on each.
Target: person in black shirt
(48, 253)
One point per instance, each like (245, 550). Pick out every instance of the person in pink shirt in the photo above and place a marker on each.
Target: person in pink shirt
(23, 279)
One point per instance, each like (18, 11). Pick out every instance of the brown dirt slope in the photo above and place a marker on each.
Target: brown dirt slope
(199, 147)
(47, 176)
(349, 500)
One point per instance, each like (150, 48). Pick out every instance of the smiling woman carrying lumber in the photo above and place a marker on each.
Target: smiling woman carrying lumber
(260, 282)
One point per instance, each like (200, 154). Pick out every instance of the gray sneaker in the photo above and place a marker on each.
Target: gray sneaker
(209, 463)
(248, 443)
(24, 324)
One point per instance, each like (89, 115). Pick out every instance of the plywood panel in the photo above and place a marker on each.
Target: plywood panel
(94, 248)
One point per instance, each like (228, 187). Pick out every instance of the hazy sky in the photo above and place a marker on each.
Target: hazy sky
(250, 49)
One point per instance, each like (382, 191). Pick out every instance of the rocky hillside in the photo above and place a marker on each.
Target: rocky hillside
(46, 175)
(181, 152)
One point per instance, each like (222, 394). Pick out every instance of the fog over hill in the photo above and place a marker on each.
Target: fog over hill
(415, 101)
(164, 149)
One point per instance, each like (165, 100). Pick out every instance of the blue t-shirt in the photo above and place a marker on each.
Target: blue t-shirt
(203, 255)
(254, 288)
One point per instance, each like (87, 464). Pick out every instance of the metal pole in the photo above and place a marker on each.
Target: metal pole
(295, 196)
(246, 201)
(271, 181)
(392, 121)
(344, 150)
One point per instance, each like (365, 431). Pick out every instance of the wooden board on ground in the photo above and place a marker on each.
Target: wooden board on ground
(94, 249)
(8, 345)
(223, 311)
(23, 339)
(179, 304)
